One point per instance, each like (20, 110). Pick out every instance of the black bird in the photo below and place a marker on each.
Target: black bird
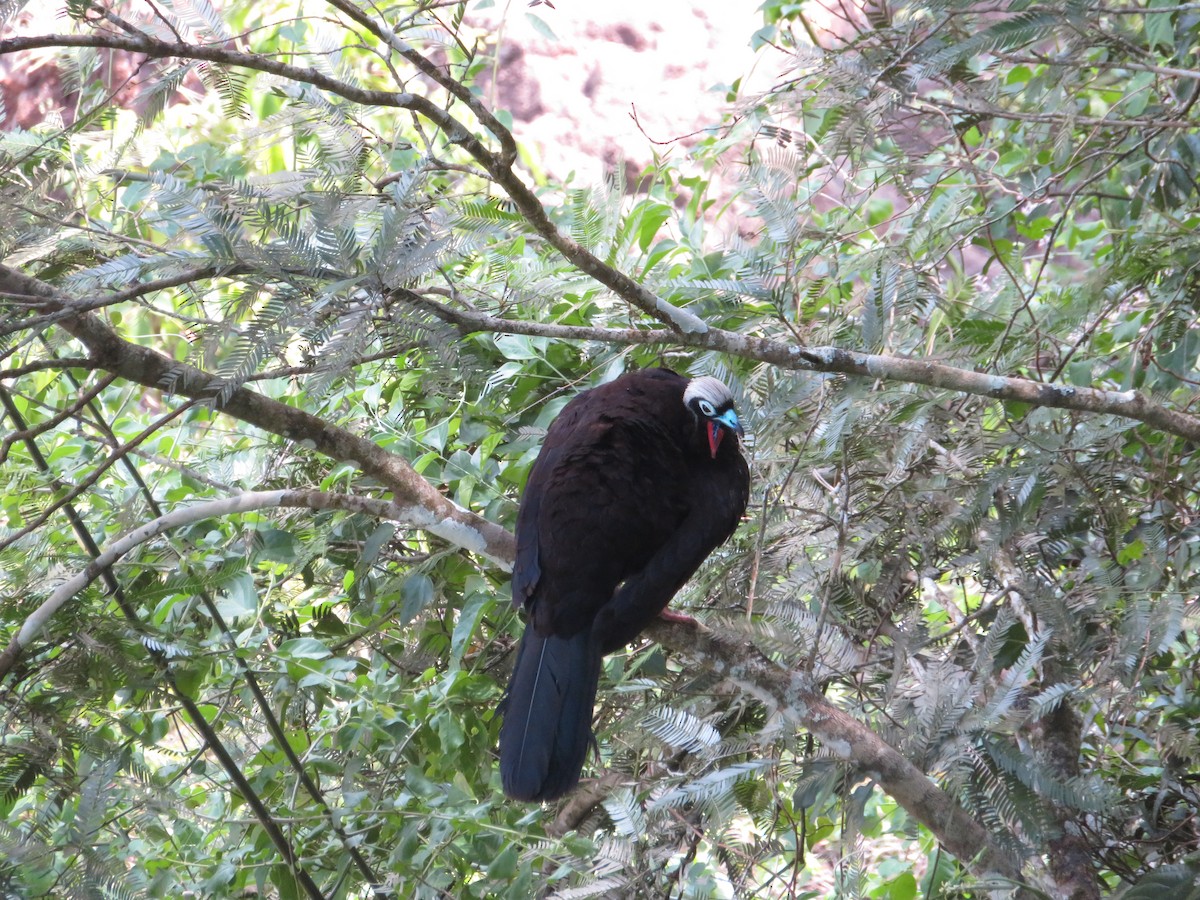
(638, 480)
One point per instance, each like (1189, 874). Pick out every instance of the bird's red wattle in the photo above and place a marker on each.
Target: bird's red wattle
(715, 433)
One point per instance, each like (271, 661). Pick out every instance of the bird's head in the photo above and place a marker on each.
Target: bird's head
(712, 404)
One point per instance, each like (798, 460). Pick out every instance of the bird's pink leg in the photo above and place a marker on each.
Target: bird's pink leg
(668, 616)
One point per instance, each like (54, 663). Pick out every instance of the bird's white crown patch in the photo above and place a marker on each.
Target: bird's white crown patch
(708, 388)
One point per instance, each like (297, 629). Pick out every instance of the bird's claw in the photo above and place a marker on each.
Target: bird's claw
(668, 616)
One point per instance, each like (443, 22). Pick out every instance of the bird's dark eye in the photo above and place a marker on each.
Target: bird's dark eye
(706, 408)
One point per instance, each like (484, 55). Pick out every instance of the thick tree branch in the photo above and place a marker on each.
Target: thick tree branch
(1128, 404)
(424, 505)
(795, 696)
(1058, 738)
(36, 621)
(193, 713)
(790, 693)
(582, 801)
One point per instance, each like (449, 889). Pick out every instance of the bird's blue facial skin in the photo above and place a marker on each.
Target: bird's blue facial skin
(730, 420)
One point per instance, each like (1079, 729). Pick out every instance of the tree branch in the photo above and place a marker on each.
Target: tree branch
(241, 503)
(265, 712)
(795, 696)
(25, 433)
(1057, 736)
(39, 365)
(424, 505)
(71, 493)
(1128, 404)
(498, 166)
(452, 85)
(791, 694)
(193, 712)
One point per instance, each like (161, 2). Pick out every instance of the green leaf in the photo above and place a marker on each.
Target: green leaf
(238, 598)
(902, 887)
(651, 216)
(504, 867)
(540, 26)
(1160, 29)
(468, 620)
(1131, 552)
(378, 538)
(278, 545)
(416, 594)
(303, 648)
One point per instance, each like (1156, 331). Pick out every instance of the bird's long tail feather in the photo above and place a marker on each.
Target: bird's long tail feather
(548, 715)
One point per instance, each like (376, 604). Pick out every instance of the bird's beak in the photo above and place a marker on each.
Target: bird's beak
(730, 421)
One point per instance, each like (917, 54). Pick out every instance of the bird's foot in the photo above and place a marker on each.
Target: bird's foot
(668, 616)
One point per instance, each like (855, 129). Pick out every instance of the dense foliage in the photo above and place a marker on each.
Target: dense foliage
(960, 306)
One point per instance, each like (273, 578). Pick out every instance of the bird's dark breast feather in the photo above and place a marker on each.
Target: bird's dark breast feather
(593, 531)
(583, 527)
(718, 491)
(622, 505)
